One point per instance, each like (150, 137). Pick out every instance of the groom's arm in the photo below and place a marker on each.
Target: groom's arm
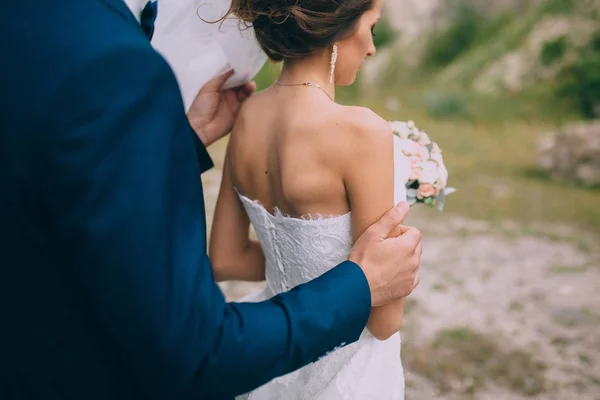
(124, 196)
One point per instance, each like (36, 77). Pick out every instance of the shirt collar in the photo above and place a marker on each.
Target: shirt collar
(136, 7)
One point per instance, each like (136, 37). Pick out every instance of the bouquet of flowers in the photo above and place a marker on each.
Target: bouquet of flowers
(428, 175)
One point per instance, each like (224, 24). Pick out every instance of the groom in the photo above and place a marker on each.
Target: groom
(106, 291)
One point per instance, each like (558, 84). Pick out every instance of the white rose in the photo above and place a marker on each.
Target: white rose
(442, 173)
(436, 154)
(429, 173)
(423, 138)
(408, 147)
(400, 128)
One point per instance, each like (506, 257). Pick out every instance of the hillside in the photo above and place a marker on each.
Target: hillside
(534, 50)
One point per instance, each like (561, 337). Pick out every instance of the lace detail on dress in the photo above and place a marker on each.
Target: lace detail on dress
(298, 250)
(277, 212)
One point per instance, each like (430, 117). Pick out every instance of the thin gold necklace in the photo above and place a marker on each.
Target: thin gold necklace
(310, 84)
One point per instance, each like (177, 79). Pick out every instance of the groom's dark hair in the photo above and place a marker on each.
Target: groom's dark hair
(297, 28)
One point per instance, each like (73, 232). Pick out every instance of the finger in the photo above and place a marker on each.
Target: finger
(413, 236)
(242, 95)
(400, 230)
(216, 83)
(416, 282)
(419, 249)
(417, 257)
(250, 87)
(391, 220)
(245, 91)
(407, 243)
(232, 101)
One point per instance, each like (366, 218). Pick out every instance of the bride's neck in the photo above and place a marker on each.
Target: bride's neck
(313, 69)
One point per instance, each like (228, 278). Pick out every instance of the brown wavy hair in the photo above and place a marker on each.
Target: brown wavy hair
(297, 28)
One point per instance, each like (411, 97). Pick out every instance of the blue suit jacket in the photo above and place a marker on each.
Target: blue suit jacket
(106, 291)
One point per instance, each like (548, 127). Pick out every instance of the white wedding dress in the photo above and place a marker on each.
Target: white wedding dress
(298, 250)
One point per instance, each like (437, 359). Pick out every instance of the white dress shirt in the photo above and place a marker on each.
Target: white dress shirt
(136, 7)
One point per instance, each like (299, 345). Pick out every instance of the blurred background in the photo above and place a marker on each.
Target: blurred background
(509, 302)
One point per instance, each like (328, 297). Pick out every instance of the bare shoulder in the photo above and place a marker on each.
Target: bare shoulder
(365, 120)
(254, 114)
(252, 105)
(363, 133)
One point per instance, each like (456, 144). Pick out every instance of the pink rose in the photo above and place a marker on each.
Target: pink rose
(415, 168)
(425, 190)
(415, 162)
(414, 174)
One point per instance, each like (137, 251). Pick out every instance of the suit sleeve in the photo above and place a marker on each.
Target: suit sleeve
(204, 161)
(127, 209)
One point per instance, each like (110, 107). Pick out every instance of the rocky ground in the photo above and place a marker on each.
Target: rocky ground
(502, 312)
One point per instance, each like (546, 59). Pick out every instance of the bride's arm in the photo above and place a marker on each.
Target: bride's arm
(369, 180)
(232, 254)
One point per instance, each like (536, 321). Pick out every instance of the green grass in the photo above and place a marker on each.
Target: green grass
(554, 50)
(558, 6)
(445, 101)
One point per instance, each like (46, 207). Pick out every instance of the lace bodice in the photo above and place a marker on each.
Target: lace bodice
(298, 250)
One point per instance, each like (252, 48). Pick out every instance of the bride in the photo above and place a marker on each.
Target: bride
(311, 175)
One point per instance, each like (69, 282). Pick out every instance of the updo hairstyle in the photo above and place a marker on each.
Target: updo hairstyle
(297, 28)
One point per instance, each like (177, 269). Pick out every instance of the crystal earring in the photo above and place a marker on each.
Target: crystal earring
(333, 60)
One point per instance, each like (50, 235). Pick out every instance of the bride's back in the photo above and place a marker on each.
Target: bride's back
(294, 152)
(291, 144)
(283, 157)
(285, 152)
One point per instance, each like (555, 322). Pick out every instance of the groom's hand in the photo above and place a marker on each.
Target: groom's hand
(389, 253)
(214, 110)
